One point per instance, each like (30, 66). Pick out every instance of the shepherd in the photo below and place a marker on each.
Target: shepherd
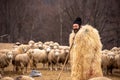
(85, 53)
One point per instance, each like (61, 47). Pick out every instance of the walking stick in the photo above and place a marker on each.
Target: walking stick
(66, 59)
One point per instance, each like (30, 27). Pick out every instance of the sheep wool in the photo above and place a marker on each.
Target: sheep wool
(7, 78)
(23, 77)
(86, 54)
(100, 78)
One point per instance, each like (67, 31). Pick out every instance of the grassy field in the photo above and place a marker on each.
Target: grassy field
(46, 74)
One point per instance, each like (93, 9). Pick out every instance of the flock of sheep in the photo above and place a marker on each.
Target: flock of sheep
(110, 60)
(23, 56)
(52, 54)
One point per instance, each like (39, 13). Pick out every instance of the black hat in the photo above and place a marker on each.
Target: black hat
(78, 21)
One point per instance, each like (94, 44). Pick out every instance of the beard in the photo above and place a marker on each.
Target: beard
(76, 30)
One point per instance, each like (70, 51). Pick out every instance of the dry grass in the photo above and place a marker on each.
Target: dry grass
(46, 74)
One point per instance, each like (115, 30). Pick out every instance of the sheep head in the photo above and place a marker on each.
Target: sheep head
(9, 55)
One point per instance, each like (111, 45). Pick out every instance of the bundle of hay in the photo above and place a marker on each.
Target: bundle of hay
(86, 54)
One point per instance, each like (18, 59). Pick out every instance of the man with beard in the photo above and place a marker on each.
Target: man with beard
(76, 26)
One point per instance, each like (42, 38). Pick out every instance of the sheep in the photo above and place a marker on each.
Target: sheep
(48, 43)
(117, 59)
(108, 62)
(64, 53)
(4, 50)
(37, 56)
(22, 77)
(5, 60)
(38, 45)
(104, 62)
(31, 43)
(21, 61)
(51, 44)
(0, 76)
(53, 58)
(19, 50)
(100, 78)
(56, 45)
(57, 55)
(6, 78)
(115, 50)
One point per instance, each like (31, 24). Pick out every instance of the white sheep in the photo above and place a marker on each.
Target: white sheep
(64, 55)
(57, 55)
(38, 45)
(21, 49)
(23, 77)
(100, 78)
(108, 62)
(117, 59)
(37, 56)
(53, 58)
(7, 78)
(31, 43)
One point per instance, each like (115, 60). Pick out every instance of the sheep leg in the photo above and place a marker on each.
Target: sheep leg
(31, 64)
(22, 67)
(51, 68)
(22, 70)
(105, 71)
(35, 66)
(43, 65)
(13, 68)
(2, 71)
(57, 65)
(26, 69)
(16, 68)
(49, 65)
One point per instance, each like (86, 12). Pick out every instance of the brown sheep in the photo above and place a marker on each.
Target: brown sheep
(5, 59)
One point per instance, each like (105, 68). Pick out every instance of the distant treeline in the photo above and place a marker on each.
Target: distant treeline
(51, 20)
